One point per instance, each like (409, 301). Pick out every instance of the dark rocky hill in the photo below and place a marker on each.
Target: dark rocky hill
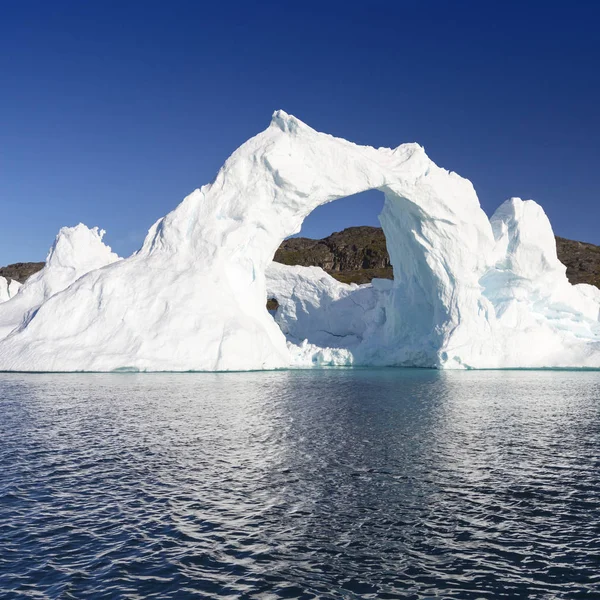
(358, 254)
(21, 271)
(581, 259)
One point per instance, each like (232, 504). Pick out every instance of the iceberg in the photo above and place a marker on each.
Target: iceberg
(468, 291)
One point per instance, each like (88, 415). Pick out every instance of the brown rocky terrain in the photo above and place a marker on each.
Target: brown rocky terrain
(354, 255)
(21, 271)
(358, 254)
(581, 259)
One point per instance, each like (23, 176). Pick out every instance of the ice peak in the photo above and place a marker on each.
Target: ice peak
(287, 122)
(74, 245)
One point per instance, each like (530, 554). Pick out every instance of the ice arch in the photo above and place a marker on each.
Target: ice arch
(439, 237)
(192, 298)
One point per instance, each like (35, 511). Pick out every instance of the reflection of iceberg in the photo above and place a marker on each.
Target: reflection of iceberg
(467, 292)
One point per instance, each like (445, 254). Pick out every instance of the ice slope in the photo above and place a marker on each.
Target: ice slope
(324, 321)
(468, 291)
(76, 251)
(316, 307)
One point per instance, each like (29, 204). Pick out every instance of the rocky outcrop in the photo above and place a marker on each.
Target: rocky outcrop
(581, 259)
(21, 271)
(354, 255)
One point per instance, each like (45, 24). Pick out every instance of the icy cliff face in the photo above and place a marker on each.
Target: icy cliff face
(468, 292)
(76, 251)
(539, 319)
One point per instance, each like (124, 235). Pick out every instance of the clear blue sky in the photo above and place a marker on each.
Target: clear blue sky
(112, 112)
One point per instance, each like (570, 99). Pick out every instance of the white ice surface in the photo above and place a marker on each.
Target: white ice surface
(316, 307)
(8, 288)
(468, 291)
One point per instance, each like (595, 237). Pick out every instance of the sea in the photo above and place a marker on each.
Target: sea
(332, 483)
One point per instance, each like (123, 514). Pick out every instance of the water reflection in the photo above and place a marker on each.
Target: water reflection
(341, 483)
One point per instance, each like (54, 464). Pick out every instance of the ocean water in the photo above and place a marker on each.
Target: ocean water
(382, 483)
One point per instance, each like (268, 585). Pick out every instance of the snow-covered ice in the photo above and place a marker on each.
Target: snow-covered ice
(469, 292)
(8, 288)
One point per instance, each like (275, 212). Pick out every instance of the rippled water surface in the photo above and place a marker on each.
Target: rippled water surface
(310, 484)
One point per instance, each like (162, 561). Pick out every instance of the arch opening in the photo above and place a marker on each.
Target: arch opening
(338, 308)
(344, 238)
